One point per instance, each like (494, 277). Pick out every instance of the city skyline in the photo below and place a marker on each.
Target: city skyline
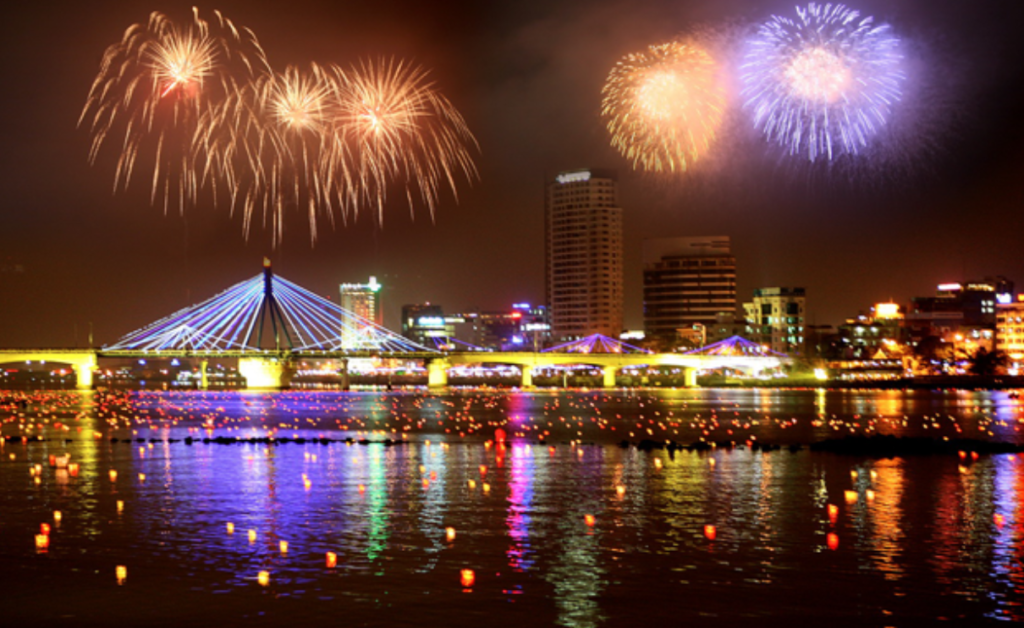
(76, 257)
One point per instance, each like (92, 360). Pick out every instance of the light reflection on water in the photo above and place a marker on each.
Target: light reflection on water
(926, 537)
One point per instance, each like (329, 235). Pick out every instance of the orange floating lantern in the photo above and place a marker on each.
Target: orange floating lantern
(120, 506)
(113, 475)
(589, 520)
(332, 560)
(832, 540)
(850, 496)
(710, 532)
(73, 469)
(122, 574)
(711, 462)
(362, 489)
(657, 463)
(263, 578)
(44, 528)
(57, 516)
(620, 490)
(231, 528)
(962, 454)
(142, 477)
(252, 536)
(472, 484)
(870, 495)
(283, 545)
(833, 512)
(42, 542)
(974, 455)
(468, 578)
(449, 533)
(487, 487)
(483, 470)
(998, 519)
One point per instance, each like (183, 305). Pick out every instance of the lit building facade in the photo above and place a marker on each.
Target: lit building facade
(1010, 334)
(363, 300)
(775, 319)
(689, 288)
(426, 324)
(583, 261)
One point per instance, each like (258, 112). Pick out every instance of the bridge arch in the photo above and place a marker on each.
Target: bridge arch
(82, 361)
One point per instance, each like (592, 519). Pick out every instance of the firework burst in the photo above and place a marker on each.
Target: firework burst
(153, 88)
(823, 84)
(664, 106)
(402, 132)
(326, 141)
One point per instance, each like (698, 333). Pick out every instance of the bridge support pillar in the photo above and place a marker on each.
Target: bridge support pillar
(437, 373)
(204, 379)
(266, 373)
(690, 377)
(84, 373)
(609, 376)
(346, 383)
(527, 376)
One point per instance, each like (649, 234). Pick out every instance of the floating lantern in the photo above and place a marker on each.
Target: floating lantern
(362, 489)
(710, 532)
(42, 542)
(252, 536)
(833, 512)
(231, 528)
(620, 490)
(551, 450)
(657, 463)
(711, 462)
(433, 475)
(53, 460)
(832, 540)
(499, 435)
(57, 516)
(870, 494)
(472, 484)
(44, 528)
(449, 533)
(468, 578)
(263, 578)
(874, 475)
(113, 475)
(962, 454)
(73, 469)
(974, 455)
(332, 560)
(998, 519)
(851, 496)
(589, 520)
(487, 487)
(283, 545)
(142, 477)
(120, 506)
(426, 483)
(853, 474)
(483, 470)
(122, 574)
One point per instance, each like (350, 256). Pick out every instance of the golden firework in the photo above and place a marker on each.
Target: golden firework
(664, 106)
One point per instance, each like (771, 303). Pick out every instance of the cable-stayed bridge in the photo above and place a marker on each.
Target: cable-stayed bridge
(269, 323)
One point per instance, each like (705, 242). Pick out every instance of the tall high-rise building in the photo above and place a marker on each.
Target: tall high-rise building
(689, 287)
(583, 241)
(363, 300)
(775, 318)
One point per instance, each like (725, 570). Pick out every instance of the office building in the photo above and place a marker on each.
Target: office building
(363, 300)
(775, 319)
(689, 289)
(583, 262)
(1010, 334)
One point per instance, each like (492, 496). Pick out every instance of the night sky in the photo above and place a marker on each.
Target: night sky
(942, 201)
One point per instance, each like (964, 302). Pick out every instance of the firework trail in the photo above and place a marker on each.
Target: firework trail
(155, 85)
(664, 106)
(823, 84)
(334, 141)
(327, 141)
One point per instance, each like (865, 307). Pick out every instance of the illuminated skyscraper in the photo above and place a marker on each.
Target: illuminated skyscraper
(583, 242)
(363, 300)
(689, 288)
(775, 319)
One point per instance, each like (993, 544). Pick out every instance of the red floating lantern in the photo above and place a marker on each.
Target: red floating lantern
(710, 532)
(832, 540)
(468, 578)
(589, 520)
(332, 560)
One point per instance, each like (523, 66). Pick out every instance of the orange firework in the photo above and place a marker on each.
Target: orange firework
(154, 86)
(664, 106)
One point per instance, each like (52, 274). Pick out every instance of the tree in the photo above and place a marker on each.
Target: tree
(986, 363)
